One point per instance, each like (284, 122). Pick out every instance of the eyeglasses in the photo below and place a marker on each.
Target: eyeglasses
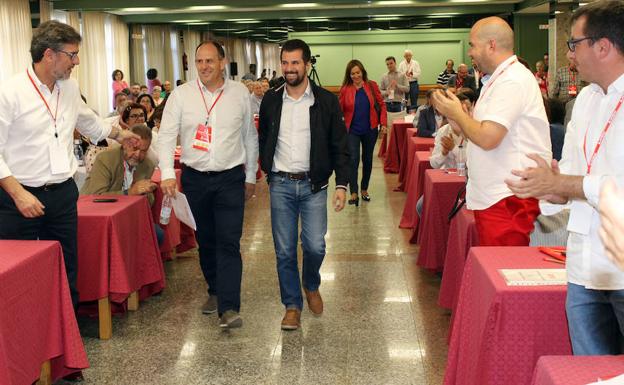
(135, 116)
(72, 55)
(572, 43)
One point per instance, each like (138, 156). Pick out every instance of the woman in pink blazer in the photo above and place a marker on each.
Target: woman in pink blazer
(118, 84)
(364, 110)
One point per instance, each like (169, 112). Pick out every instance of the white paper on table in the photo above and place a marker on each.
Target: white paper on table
(409, 118)
(183, 210)
(619, 380)
(534, 277)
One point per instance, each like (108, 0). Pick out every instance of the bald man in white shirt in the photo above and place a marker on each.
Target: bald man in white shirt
(501, 131)
(39, 110)
(592, 155)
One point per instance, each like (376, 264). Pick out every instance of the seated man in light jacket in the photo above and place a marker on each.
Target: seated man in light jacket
(124, 170)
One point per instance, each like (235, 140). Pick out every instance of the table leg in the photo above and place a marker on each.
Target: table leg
(106, 318)
(45, 378)
(133, 301)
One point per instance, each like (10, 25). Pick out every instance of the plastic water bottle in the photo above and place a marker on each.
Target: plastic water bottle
(461, 160)
(78, 152)
(165, 211)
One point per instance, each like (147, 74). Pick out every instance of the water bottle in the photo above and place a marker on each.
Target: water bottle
(165, 211)
(78, 152)
(461, 160)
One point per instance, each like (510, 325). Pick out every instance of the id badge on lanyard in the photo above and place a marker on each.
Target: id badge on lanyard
(572, 90)
(203, 133)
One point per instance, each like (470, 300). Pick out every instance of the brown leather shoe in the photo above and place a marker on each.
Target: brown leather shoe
(315, 302)
(292, 319)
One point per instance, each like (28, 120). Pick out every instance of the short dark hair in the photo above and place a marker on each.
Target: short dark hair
(469, 94)
(136, 84)
(142, 131)
(115, 72)
(391, 58)
(450, 60)
(120, 93)
(52, 34)
(296, 44)
(138, 99)
(152, 73)
(216, 44)
(555, 110)
(603, 19)
(350, 65)
(132, 106)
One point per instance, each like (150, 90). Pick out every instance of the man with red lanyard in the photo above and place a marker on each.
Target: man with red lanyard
(219, 142)
(567, 84)
(39, 109)
(509, 121)
(592, 155)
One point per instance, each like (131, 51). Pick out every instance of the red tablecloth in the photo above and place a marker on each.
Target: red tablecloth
(383, 145)
(177, 234)
(117, 249)
(414, 184)
(397, 136)
(439, 190)
(37, 321)
(406, 154)
(462, 236)
(498, 332)
(576, 370)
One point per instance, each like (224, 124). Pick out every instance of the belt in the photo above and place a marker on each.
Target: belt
(394, 102)
(294, 175)
(211, 173)
(49, 186)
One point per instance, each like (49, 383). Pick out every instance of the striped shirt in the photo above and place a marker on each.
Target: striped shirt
(444, 77)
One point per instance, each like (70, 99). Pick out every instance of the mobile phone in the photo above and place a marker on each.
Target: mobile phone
(105, 200)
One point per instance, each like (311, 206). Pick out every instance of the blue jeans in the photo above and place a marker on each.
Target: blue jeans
(413, 91)
(595, 320)
(291, 199)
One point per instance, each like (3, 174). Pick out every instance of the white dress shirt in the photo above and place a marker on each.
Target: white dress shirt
(234, 137)
(438, 160)
(255, 103)
(27, 128)
(514, 101)
(292, 152)
(587, 263)
(413, 67)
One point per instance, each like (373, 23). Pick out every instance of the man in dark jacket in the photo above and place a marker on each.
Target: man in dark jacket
(303, 139)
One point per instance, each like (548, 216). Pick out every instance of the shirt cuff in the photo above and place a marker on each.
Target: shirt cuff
(548, 209)
(167, 173)
(498, 119)
(591, 189)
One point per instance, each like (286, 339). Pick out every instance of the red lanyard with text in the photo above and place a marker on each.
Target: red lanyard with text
(208, 111)
(58, 97)
(572, 76)
(492, 80)
(602, 135)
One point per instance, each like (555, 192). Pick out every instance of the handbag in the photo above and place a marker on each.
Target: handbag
(375, 104)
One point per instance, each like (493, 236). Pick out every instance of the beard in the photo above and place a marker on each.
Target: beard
(296, 81)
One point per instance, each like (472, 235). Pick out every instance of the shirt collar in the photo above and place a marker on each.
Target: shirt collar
(203, 87)
(306, 93)
(39, 83)
(505, 63)
(616, 87)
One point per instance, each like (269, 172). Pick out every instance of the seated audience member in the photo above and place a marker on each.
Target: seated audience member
(462, 80)
(135, 91)
(542, 78)
(119, 85)
(148, 103)
(265, 85)
(166, 88)
(256, 97)
(144, 90)
(154, 121)
(422, 107)
(445, 75)
(156, 92)
(556, 113)
(429, 121)
(249, 84)
(121, 99)
(124, 169)
(152, 79)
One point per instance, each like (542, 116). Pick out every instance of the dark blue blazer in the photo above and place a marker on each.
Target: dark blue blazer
(426, 123)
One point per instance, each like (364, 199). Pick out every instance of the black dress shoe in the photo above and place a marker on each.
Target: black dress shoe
(74, 377)
(354, 201)
(366, 198)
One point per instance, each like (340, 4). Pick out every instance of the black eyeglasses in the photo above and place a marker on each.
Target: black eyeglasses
(72, 55)
(573, 42)
(136, 116)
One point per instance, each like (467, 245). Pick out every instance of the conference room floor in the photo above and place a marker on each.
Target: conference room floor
(381, 323)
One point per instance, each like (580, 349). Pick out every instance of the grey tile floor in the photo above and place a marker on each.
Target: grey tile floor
(381, 324)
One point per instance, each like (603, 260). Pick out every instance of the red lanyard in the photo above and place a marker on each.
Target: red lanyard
(492, 80)
(602, 135)
(58, 97)
(572, 76)
(208, 111)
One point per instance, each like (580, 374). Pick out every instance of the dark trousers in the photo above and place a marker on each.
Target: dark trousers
(367, 142)
(413, 91)
(217, 201)
(394, 106)
(59, 223)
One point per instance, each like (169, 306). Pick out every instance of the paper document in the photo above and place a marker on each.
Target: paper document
(183, 210)
(619, 380)
(409, 118)
(534, 277)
